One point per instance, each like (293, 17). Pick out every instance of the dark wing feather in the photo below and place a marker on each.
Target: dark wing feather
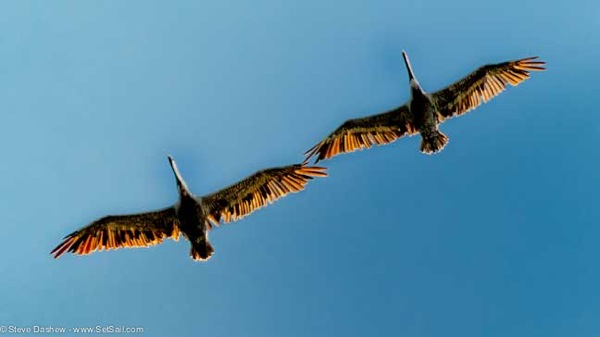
(482, 85)
(258, 190)
(362, 133)
(112, 232)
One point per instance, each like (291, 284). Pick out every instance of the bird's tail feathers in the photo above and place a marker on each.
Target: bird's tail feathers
(201, 250)
(434, 143)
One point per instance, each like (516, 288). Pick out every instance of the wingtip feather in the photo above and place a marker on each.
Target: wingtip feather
(313, 171)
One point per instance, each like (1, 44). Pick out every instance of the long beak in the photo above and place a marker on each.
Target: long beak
(411, 76)
(180, 182)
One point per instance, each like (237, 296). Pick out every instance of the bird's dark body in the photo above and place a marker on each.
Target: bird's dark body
(192, 223)
(423, 113)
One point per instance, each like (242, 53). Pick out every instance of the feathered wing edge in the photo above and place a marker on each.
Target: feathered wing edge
(362, 133)
(256, 191)
(113, 232)
(482, 85)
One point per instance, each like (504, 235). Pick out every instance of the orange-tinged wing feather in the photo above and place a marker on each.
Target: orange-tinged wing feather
(112, 232)
(362, 133)
(258, 190)
(482, 85)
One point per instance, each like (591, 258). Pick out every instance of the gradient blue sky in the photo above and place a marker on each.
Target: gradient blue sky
(495, 236)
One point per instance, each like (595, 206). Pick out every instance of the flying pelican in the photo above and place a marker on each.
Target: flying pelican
(193, 216)
(424, 112)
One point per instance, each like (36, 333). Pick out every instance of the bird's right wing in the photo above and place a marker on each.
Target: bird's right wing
(258, 190)
(112, 232)
(362, 133)
(482, 85)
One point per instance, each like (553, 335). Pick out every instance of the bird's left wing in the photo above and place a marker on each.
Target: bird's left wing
(482, 85)
(112, 232)
(258, 190)
(362, 133)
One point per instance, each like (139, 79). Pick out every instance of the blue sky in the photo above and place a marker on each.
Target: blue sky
(495, 236)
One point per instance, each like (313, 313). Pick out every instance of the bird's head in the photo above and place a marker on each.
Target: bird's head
(411, 76)
(181, 185)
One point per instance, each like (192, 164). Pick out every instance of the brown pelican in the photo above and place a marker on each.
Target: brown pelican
(193, 216)
(424, 112)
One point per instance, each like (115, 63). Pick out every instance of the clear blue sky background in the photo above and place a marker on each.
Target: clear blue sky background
(496, 236)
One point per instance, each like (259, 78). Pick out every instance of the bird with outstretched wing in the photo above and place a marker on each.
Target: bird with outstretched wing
(192, 216)
(424, 112)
